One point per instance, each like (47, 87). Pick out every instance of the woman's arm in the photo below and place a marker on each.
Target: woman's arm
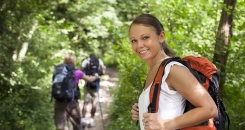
(90, 78)
(183, 81)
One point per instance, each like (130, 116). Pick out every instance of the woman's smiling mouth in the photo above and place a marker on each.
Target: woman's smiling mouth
(144, 51)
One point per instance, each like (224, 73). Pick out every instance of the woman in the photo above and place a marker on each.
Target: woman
(62, 108)
(178, 84)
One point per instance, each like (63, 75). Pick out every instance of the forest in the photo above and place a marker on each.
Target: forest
(36, 34)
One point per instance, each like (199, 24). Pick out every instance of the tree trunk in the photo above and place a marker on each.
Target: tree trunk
(222, 44)
(25, 45)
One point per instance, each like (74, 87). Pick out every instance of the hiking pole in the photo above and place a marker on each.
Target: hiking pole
(97, 88)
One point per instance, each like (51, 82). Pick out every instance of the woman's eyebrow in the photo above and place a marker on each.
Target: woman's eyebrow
(140, 35)
(145, 34)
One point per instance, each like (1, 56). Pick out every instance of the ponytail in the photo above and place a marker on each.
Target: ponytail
(167, 50)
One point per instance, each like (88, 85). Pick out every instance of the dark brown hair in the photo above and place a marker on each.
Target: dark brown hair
(152, 21)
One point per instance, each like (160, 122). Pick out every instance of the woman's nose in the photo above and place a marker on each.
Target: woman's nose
(140, 43)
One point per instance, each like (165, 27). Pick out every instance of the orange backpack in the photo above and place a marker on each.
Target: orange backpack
(207, 74)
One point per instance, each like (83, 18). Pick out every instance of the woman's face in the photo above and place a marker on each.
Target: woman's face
(145, 42)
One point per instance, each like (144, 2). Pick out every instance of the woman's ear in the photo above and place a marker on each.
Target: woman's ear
(162, 37)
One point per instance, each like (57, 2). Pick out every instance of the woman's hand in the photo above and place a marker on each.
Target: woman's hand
(96, 75)
(152, 121)
(135, 112)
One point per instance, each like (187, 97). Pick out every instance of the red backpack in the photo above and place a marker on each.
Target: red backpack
(207, 74)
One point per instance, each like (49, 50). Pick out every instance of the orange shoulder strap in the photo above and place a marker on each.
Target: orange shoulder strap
(156, 86)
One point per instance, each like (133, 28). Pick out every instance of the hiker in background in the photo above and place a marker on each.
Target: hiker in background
(91, 66)
(70, 108)
(178, 84)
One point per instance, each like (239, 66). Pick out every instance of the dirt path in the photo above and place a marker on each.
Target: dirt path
(107, 83)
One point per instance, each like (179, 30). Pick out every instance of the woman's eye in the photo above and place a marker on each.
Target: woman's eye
(145, 38)
(133, 41)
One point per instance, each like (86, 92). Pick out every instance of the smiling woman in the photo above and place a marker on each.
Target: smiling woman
(144, 42)
(178, 84)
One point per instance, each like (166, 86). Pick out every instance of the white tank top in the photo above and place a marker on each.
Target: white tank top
(171, 103)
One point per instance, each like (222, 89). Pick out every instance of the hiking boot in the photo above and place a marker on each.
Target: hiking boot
(83, 125)
(90, 125)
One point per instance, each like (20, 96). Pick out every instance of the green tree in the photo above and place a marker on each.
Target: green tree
(222, 44)
(191, 28)
(34, 36)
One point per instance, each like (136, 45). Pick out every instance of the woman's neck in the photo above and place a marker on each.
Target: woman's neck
(155, 62)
